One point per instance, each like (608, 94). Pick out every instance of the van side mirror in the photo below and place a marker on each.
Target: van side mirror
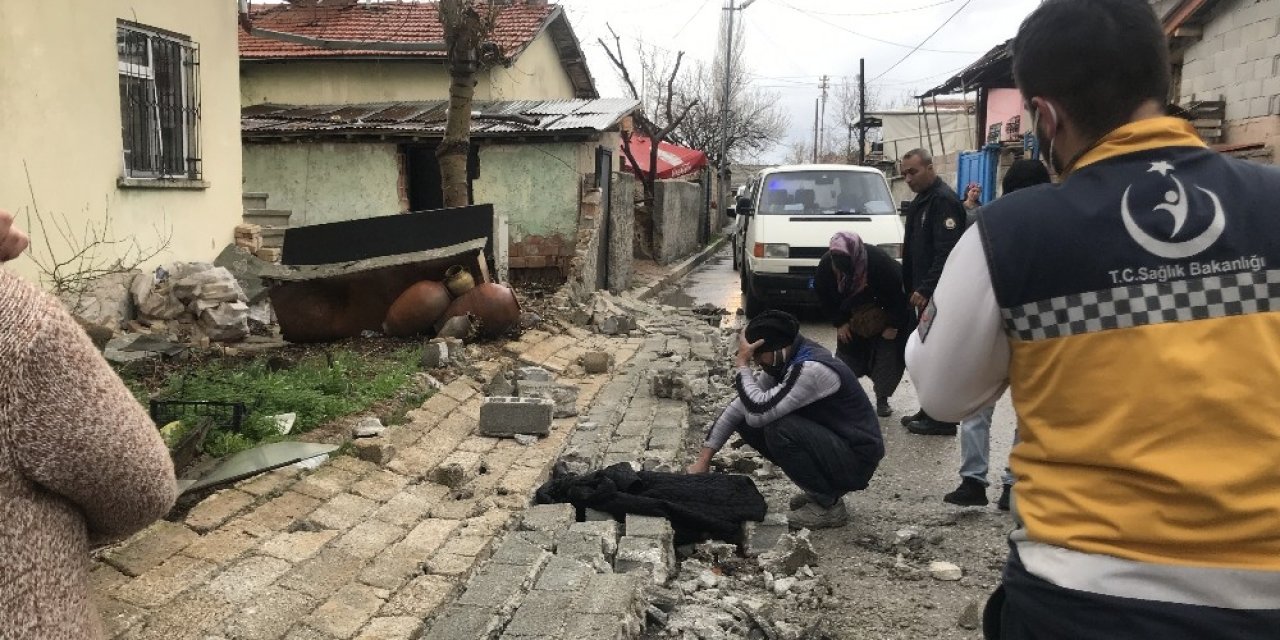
(746, 207)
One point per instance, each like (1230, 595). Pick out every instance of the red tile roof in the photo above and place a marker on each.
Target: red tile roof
(518, 24)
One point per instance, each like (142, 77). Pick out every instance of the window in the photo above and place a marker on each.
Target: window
(159, 103)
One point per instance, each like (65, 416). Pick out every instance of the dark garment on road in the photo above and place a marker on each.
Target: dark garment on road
(935, 222)
(708, 505)
(883, 360)
(1029, 608)
(820, 462)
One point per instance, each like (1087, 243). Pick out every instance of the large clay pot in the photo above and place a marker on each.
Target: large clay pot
(459, 281)
(494, 307)
(417, 309)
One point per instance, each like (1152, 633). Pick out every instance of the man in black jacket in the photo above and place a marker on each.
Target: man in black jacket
(935, 221)
(806, 413)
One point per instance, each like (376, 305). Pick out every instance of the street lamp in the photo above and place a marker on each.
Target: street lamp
(724, 103)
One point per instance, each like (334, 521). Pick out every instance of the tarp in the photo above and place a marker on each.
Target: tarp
(674, 161)
(906, 130)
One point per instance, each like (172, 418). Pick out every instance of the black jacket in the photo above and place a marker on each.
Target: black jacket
(884, 287)
(935, 222)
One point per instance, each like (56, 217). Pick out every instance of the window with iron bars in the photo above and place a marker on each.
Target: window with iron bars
(159, 103)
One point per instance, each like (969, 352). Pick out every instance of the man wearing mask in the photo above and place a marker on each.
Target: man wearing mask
(1134, 310)
(935, 221)
(805, 413)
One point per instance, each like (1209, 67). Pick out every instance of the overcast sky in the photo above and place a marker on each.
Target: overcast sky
(791, 43)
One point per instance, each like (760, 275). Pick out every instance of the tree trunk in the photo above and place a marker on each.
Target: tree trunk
(464, 29)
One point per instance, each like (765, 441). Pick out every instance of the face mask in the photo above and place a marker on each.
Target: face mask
(779, 367)
(1047, 152)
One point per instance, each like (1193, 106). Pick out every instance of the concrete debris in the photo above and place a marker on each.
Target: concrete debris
(656, 616)
(284, 422)
(904, 536)
(435, 354)
(529, 320)
(508, 416)
(97, 333)
(368, 427)
(459, 327)
(678, 384)
(971, 616)
(526, 440)
(596, 362)
(945, 571)
(226, 322)
(715, 552)
(793, 551)
(761, 537)
(501, 384)
(534, 374)
(646, 556)
(565, 396)
(375, 450)
(106, 302)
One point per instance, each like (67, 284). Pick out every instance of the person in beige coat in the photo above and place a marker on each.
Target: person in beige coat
(81, 463)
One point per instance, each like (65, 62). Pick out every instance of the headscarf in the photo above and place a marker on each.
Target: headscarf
(850, 244)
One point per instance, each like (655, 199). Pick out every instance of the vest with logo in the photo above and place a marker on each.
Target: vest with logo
(1140, 298)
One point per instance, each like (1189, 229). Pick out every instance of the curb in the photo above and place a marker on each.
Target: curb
(684, 268)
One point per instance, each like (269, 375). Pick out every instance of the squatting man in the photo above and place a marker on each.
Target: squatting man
(805, 412)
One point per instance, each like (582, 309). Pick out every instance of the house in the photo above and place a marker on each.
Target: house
(1226, 68)
(540, 57)
(943, 127)
(333, 134)
(119, 122)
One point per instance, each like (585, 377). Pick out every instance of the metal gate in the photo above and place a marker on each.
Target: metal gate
(604, 182)
(979, 167)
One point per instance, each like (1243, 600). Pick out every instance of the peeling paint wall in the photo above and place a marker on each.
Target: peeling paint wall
(325, 182)
(536, 75)
(537, 186)
(60, 122)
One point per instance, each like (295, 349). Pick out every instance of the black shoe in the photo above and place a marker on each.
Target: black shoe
(970, 493)
(918, 415)
(882, 408)
(1003, 502)
(931, 427)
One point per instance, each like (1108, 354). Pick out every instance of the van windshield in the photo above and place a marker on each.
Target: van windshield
(825, 193)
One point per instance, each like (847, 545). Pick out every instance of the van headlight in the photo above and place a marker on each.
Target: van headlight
(772, 250)
(894, 250)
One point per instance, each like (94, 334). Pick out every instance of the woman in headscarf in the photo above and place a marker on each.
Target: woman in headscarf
(861, 292)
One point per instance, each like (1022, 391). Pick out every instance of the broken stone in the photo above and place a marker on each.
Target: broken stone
(460, 327)
(708, 579)
(226, 322)
(760, 537)
(945, 571)
(435, 355)
(903, 536)
(368, 427)
(656, 616)
(284, 422)
(793, 551)
(596, 362)
(534, 374)
(645, 556)
(715, 552)
(782, 586)
(374, 450)
(971, 616)
(97, 333)
(529, 320)
(526, 440)
(565, 396)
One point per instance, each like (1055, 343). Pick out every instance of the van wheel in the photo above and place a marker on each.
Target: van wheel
(752, 305)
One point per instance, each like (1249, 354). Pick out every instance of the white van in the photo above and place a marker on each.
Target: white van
(792, 212)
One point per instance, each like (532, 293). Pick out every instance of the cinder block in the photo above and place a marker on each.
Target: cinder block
(564, 396)
(649, 527)
(548, 517)
(606, 530)
(596, 362)
(645, 556)
(507, 416)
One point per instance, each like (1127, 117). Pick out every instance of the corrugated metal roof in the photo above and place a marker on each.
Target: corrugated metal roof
(429, 118)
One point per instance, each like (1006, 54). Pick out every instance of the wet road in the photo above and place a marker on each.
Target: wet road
(905, 493)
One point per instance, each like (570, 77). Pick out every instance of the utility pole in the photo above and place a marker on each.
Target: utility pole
(822, 119)
(862, 111)
(724, 188)
(816, 101)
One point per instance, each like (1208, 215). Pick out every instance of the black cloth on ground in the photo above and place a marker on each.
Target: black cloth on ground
(702, 506)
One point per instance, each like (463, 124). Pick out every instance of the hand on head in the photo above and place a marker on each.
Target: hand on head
(13, 241)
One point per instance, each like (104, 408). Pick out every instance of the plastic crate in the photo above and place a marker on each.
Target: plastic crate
(225, 416)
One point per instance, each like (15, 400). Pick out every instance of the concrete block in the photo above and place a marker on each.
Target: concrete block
(520, 551)
(761, 537)
(1258, 107)
(458, 469)
(666, 440)
(565, 396)
(650, 527)
(606, 530)
(461, 621)
(541, 616)
(497, 588)
(645, 556)
(564, 573)
(596, 362)
(507, 416)
(376, 450)
(435, 354)
(551, 518)
(534, 374)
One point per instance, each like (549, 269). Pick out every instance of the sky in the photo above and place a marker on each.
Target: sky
(790, 44)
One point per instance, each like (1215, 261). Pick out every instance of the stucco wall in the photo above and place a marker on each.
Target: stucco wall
(537, 186)
(325, 182)
(622, 231)
(677, 205)
(536, 75)
(60, 121)
(1236, 61)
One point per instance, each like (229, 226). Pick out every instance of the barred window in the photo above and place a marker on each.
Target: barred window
(159, 103)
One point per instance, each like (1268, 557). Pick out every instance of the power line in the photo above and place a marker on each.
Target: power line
(918, 47)
(922, 42)
(865, 15)
(690, 20)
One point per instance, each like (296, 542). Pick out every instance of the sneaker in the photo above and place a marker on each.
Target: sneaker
(970, 493)
(918, 415)
(800, 500)
(815, 516)
(882, 408)
(931, 427)
(1003, 503)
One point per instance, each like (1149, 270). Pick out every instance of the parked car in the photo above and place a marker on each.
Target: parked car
(788, 215)
(739, 225)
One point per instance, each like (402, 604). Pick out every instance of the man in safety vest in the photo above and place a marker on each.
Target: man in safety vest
(1134, 309)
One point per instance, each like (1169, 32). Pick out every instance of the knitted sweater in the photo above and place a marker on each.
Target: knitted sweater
(80, 463)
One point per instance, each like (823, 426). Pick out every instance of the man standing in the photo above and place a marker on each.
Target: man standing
(806, 413)
(1134, 310)
(935, 221)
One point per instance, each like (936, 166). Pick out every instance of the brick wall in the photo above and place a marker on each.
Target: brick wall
(1237, 60)
(542, 252)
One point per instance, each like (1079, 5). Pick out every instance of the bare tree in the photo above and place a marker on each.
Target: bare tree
(467, 26)
(756, 120)
(664, 107)
(845, 116)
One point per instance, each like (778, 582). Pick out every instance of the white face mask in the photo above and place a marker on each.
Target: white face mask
(1048, 153)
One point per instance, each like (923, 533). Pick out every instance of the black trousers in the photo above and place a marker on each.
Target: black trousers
(820, 462)
(883, 360)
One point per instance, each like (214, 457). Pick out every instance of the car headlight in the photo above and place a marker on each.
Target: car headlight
(772, 250)
(894, 250)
